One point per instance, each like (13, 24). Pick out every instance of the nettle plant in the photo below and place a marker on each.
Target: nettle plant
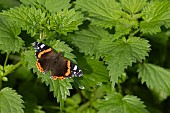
(111, 41)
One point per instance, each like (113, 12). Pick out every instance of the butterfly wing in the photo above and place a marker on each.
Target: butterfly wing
(45, 56)
(64, 68)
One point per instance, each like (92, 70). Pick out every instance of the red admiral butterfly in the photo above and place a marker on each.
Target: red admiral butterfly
(60, 67)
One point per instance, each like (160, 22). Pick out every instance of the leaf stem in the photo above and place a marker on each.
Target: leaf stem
(6, 59)
(61, 105)
(11, 69)
(134, 32)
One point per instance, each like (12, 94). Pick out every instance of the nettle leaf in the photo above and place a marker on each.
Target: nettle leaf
(156, 14)
(155, 77)
(133, 6)
(66, 21)
(88, 40)
(102, 13)
(9, 40)
(10, 101)
(32, 2)
(29, 60)
(52, 5)
(60, 88)
(124, 26)
(57, 5)
(29, 18)
(116, 103)
(94, 72)
(120, 54)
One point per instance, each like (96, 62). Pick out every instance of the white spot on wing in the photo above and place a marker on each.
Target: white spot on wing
(75, 67)
(42, 45)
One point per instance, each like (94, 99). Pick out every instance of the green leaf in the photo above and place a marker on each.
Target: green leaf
(66, 21)
(88, 40)
(156, 78)
(102, 13)
(75, 100)
(116, 103)
(10, 101)
(125, 26)
(29, 19)
(72, 104)
(121, 54)
(156, 14)
(29, 60)
(33, 2)
(133, 6)
(9, 36)
(57, 5)
(94, 72)
(59, 87)
(51, 5)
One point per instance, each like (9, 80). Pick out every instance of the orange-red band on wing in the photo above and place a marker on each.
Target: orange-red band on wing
(56, 77)
(39, 67)
(68, 70)
(42, 52)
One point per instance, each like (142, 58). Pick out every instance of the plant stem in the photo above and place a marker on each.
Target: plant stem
(11, 69)
(83, 107)
(6, 59)
(134, 32)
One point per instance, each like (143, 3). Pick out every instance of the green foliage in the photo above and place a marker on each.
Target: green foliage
(102, 13)
(50, 5)
(10, 101)
(116, 103)
(66, 21)
(94, 72)
(9, 36)
(111, 41)
(156, 14)
(60, 88)
(133, 6)
(121, 54)
(90, 37)
(156, 78)
(36, 21)
(29, 19)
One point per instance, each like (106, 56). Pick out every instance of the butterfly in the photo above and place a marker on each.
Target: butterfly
(49, 60)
